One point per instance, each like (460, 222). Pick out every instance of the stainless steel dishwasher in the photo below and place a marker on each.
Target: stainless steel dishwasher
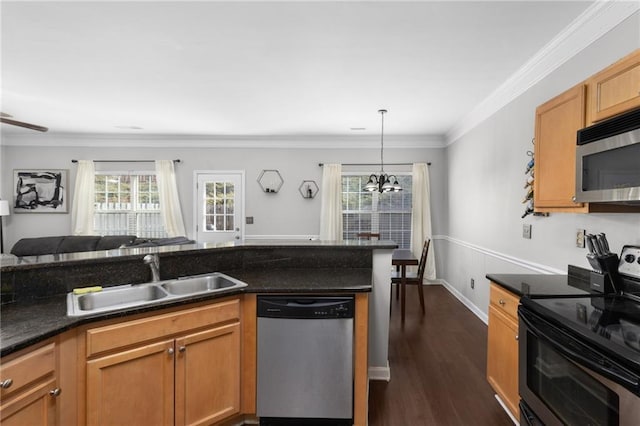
(305, 360)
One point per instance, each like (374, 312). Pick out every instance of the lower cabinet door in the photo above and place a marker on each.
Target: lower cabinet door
(33, 407)
(208, 376)
(132, 387)
(502, 358)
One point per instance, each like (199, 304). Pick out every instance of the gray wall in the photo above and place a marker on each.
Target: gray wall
(485, 181)
(285, 213)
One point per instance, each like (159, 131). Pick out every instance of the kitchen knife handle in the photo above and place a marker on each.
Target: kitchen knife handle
(600, 245)
(604, 242)
(590, 244)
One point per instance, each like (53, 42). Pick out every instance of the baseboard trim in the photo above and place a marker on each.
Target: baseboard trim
(466, 302)
(504, 407)
(380, 373)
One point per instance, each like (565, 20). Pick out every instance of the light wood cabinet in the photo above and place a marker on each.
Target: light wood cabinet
(502, 347)
(208, 375)
(615, 89)
(557, 122)
(29, 388)
(132, 387)
(610, 92)
(179, 368)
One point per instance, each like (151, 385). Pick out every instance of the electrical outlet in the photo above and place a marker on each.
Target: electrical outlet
(580, 238)
(526, 231)
(473, 283)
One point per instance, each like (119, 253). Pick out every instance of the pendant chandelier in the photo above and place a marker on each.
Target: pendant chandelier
(382, 182)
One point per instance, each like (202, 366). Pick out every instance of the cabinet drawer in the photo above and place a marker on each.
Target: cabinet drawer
(504, 301)
(27, 369)
(127, 333)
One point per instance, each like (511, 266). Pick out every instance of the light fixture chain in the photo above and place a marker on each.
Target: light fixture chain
(382, 111)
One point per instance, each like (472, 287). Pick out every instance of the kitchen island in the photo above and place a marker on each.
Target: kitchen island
(36, 289)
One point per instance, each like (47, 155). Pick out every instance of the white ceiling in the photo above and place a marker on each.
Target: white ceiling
(264, 68)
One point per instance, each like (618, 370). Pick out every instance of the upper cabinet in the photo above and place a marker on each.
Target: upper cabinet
(557, 122)
(610, 92)
(615, 89)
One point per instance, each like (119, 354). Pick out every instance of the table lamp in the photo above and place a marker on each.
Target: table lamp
(4, 211)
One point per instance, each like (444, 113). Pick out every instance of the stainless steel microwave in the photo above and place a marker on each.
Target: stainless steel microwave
(608, 161)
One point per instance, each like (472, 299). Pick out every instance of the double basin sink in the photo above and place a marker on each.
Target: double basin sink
(135, 295)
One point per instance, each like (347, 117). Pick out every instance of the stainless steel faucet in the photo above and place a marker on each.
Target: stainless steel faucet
(154, 263)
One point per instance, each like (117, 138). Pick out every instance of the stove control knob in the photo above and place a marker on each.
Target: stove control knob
(629, 258)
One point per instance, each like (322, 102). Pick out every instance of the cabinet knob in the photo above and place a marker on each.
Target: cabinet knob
(182, 348)
(55, 392)
(170, 351)
(517, 337)
(501, 302)
(6, 384)
(573, 198)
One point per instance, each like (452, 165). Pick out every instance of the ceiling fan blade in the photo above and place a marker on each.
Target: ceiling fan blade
(23, 124)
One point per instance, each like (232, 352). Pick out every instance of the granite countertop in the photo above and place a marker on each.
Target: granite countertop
(9, 262)
(542, 285)
(29, 323)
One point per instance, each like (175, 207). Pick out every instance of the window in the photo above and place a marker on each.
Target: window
(127, 204)
(388, 213)
(219, 200)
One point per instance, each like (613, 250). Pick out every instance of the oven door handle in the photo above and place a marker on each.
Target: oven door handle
(596, 361)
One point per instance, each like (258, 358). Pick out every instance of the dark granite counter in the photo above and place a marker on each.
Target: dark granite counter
(24, 324)
(10, 262)
(540, 285)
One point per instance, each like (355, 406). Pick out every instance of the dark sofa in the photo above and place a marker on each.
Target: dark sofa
(78, 243)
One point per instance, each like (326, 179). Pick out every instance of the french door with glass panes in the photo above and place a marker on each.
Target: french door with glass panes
(219, 206)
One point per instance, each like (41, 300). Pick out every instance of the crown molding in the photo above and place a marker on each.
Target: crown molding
(204, 141)
(593, 23)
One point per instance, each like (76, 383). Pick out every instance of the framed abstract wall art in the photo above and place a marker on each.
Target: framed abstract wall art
(40, 191)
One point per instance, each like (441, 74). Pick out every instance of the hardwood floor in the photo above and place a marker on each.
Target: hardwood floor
(438, 367)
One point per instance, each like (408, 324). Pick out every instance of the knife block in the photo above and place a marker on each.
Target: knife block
(606, 278)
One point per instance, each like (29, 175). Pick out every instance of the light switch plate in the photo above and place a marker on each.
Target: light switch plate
(526, 231)
(580, 238)
(249, 220)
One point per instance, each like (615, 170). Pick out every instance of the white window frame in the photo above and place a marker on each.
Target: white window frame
(375, 212)
(133, 214)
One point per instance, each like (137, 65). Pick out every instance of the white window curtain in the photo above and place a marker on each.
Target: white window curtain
(83, 199)
(169, 201)
(331, 203)
(421, 217)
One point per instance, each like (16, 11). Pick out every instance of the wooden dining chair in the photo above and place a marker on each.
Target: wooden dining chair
(368, 235)
(414, 278)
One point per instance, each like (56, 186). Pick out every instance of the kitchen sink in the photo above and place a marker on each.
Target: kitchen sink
(135, 295)
(120, 296)
(201, 284)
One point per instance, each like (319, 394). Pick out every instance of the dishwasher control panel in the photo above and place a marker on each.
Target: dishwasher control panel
(305, 307)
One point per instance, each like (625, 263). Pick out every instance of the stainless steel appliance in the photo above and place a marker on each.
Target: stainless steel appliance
(580, 357)
(608, 161)
(305, 360)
